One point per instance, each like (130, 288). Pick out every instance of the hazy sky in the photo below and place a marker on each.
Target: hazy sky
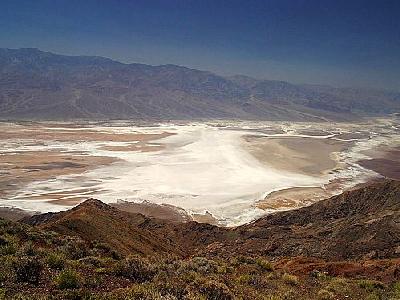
(338, 42)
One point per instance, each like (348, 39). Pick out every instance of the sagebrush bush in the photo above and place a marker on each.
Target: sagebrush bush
(214, 290)
(137, 292)
(175, 289)
(56, 261)
(28, 249)
(337, 285)
(68, 279)
(396, 289)
(290, 279)
(134, 268)
(325, 295)
(27, 269)
(75, 248)
(371, 285)
(264, 265)
(201, 265)
(7, 245)
(91, 261)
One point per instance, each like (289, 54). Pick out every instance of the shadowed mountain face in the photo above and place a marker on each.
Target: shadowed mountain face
(36, 84)
(359, 224)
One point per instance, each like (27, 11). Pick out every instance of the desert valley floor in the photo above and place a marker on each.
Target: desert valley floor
(221, 172)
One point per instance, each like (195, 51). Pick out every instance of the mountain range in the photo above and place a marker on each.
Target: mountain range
(42, 85)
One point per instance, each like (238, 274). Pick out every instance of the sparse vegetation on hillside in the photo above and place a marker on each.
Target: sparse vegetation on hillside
(41, 267)
(84, 259)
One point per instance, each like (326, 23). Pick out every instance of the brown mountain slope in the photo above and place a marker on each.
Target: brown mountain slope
(129, 233)
(364, 223)
(94, 221)
(359, 224)
(343, 248)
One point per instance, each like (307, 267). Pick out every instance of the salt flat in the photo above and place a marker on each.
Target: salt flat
(222, 168)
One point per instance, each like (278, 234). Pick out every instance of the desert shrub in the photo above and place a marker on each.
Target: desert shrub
(338, 285)
(7, 246)
(325, 295)
(91, 261)
(244, 260)
(190, 276)
(319, 275)
(56, 261)
(272, 297)
(68, 279)
(8, 249)
(28, 270)
(28, 249)
(3, 275)
(140, 292)
(371, 285)
(202, 265)
(290, 279)
(264, 265)
(101, 246)
(214, 290)
(134, 268)
(75, 294)
(244, 278)
(104, 249)
(93, 281)
(396, 289)
(6, 270)
(176, 289)
(115, 255)
(14, 228)
(74, 248)
(2, 294)
(101, 271)
(251, 279)
(34, 235)
(3, 241)
(6, 265)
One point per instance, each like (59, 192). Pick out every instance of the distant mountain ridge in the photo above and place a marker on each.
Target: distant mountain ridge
(42, 85)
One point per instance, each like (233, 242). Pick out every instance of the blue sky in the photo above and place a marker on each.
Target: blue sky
(337, 42)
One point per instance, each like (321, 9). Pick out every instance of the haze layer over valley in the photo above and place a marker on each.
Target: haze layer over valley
(226, 172)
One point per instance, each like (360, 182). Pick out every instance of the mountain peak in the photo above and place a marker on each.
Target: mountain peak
(93, 203)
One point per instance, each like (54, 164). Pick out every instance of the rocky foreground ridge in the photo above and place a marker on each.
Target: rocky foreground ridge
(345, 247)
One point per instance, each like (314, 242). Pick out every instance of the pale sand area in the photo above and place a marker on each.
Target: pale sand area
(70, 134)
(37, 153)
(299, 155)
(293, 198)
(21, 168)
(140, 146)
(304, 155)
